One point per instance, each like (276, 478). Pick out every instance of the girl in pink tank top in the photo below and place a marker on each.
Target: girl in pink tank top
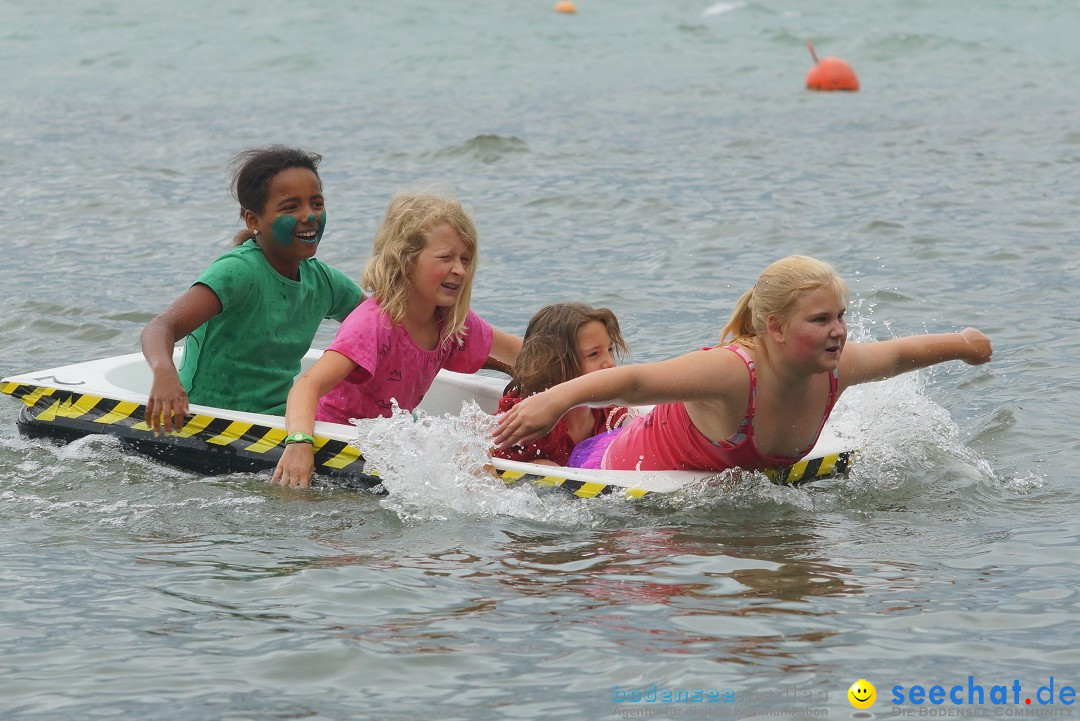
(721, 408)
(666, 439)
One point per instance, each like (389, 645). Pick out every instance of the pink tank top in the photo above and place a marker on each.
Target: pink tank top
(666, 438)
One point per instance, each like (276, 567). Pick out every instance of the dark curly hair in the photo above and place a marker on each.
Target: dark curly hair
(252, 170)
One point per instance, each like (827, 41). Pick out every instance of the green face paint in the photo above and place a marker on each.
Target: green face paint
(283, 229)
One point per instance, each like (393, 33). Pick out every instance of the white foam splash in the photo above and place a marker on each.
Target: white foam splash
(1027, 483)
(433, 466)
(898, 429)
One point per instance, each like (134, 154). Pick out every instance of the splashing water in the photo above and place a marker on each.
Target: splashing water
(899, 431)
(435, 466)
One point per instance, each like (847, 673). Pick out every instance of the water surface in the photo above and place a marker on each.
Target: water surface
(648, 156)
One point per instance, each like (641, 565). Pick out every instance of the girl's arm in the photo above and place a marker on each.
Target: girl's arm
(504, 347)
(167, 404)
(697, 376)
(864, 362)
(298, 459)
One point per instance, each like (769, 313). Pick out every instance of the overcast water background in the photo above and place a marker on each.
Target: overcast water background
(652, 157)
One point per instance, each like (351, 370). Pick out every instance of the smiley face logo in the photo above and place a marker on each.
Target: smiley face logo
(862, 694)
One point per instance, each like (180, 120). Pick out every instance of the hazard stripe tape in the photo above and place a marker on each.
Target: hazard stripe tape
(48, 413)
(94, 414)
(119, 412)
(32, 397)
(234, 431)
(194, 426)
(271, 438)
(582, 489)
(79, 406)
(830, 466)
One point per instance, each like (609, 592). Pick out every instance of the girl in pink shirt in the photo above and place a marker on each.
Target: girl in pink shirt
(391, 347)
(761, 401)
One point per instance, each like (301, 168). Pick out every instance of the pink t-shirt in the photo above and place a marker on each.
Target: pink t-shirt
(389, 365)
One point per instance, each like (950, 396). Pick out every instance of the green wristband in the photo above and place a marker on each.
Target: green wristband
(299, 437)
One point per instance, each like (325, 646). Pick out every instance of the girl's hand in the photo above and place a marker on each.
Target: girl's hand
(295, 467)
(168, 402)
(529, 420)
(977, 350)
(167, 405)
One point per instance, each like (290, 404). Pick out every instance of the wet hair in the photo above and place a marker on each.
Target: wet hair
(400, 239)
(253, 170)
(776, 294)
(549, 351)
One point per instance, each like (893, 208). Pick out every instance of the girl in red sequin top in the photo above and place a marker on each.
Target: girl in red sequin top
(564, 341)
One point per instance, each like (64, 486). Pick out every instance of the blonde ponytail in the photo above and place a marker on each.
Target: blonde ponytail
(776, 293)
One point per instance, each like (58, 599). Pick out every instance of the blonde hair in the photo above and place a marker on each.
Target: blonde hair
(776, 293)
(403, 235)
(549, 351)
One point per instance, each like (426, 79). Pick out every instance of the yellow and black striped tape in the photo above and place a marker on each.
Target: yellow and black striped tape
(214, 445)
(812, 469)
(581, 489)
(205, 443)
(830, 466)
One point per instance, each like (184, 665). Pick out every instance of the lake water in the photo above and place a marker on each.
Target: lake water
(648, 156)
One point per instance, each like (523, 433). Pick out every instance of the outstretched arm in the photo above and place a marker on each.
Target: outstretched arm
(504, 347)
(298, 459)
(864, 362)
(702, 375)
(167, 404)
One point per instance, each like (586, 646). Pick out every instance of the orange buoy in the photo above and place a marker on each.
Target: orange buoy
(830, 74)
(565, 6)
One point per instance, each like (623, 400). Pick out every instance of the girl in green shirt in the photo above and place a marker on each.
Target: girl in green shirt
(252, 315)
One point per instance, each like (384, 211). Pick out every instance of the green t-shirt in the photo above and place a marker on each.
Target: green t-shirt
(247, 356)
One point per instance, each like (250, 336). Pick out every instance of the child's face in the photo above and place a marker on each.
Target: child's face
(816, 331)
(594, 346)
(441, 268)
(295, 214)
